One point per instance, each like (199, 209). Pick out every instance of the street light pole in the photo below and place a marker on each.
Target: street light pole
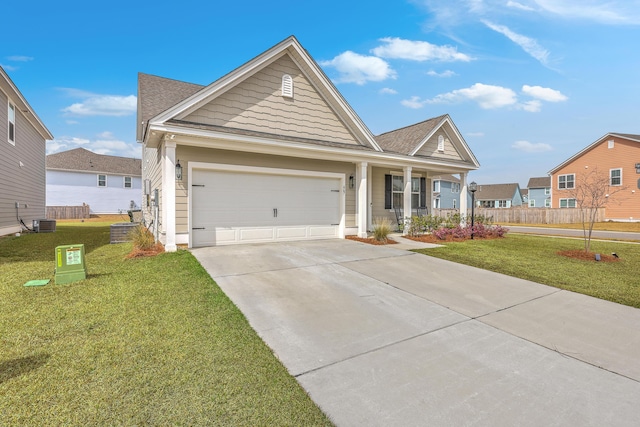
(473, 187)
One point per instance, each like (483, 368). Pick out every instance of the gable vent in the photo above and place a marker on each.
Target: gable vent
(287, 86)
(440, 143)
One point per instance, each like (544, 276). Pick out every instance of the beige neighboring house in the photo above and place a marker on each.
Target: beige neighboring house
(273, 152)
(22, 158)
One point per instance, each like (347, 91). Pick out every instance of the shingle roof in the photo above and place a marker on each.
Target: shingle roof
(406, 139)
(540, 182)
(496, 191)
(627, 135)
(80, 159)
(448, 178)
(157, 94)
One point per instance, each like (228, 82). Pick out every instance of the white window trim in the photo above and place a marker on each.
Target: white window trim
(567, 201)
(11, 124)
(532, 203)
(98, 179)
(124, 182)
(565, 182)
(547, 203)
(611, 177)
(547, 191)
(455, 187)
(610, 143)
(436, 186)
(413, 176)
(441, 143)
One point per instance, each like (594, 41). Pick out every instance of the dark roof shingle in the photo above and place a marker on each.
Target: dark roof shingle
(539, 182)
(80, 159)
(496, 191)
(406, 139)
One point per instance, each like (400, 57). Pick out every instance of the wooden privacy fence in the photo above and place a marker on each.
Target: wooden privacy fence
(68, 212)
(527, 215)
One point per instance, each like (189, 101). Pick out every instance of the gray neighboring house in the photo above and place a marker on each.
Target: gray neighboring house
(498, 195)
(446, 192)
(22, 158)
(108, 184)
(273, 152)
(539, 192)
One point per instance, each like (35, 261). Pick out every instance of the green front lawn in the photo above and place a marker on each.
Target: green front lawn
(150, 341)
(536, 259)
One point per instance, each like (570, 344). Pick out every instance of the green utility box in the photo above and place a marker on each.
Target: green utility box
(70, 265)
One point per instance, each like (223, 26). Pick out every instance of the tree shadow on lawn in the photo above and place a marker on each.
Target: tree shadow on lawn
(17, 367)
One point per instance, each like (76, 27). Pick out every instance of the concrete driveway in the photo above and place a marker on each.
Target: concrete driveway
(385, 337)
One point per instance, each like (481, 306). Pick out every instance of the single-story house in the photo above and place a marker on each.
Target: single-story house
(272, 151)
(108, 184)
(23, 139)
(498, 195)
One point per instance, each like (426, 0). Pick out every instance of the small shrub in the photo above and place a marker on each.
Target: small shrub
(382, 227)
(142, 238)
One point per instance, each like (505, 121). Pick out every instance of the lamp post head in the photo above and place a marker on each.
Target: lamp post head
(473, 186)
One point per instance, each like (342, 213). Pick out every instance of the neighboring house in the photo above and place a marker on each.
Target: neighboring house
(108, 184)
(446, 192)
(272, 151)
(616, 155)
(539, 192)
(524, 192)
(498, 195)
(22, 157)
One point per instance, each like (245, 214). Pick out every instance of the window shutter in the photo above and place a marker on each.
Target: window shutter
(387, 192)
(423, 192)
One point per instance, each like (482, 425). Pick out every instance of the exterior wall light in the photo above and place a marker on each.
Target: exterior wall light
(351, 183)
(178, 171)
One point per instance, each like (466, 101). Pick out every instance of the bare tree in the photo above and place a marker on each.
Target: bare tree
(592, 192)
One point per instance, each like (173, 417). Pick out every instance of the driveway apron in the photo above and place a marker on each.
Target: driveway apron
(384, 337)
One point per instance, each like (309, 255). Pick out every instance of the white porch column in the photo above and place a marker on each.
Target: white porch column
(463, 198)
(362, 198)
(169, 195)
(407, 195)
(370, 198)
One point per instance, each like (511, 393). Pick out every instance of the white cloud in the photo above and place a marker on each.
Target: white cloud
(520, 6)
(605, 12)
(414, 102)
(398, 48)
(445, 73)
(529, 147)
(106, 143)
(475, 134)
(487, 96)
(388, 91)
(103, 105)
(359, 69)
(544, 93)
(20, 58)
(8, 67)
(528, 44)
(531, 106)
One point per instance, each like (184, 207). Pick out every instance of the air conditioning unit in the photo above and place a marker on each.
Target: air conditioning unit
(44, 225)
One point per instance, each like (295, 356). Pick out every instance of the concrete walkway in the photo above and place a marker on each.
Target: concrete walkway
(386, 337)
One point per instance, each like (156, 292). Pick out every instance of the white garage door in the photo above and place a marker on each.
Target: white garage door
(244, 207)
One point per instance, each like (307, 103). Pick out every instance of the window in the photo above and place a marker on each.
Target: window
(454, 204)
(566, 181)
(547, 191)
(394, 192)
(12, 123)
(610, 143)
(455, 187)
(102, 180)
(615, 177)
(287, 86)
(532, 203)
(440, 143)
(127, 182)
(567, 203)
(436, 203)
(503, 204)
(436, 186)
(547, 203)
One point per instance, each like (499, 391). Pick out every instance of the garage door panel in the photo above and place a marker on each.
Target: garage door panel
(235, 207)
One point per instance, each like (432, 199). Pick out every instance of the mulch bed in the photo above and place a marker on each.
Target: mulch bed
(139, 253)
(430, 238)
(371, 240)
(587, 256)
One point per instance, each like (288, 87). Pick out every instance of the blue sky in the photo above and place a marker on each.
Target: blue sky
(528, 82)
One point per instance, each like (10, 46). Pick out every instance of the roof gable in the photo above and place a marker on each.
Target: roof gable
(82, 160)
(628, 136)
(307, 72)
(421, 139)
